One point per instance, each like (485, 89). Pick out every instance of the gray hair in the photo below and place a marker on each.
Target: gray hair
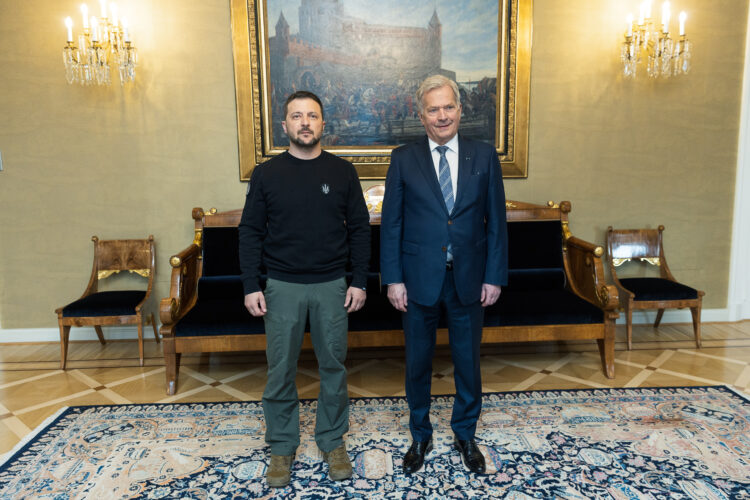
(435, 82)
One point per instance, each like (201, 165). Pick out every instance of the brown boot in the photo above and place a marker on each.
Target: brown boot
(339, 465)
(279, 473)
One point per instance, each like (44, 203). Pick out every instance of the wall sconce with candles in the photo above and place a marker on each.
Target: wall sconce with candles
(104, 44)
(647, 44)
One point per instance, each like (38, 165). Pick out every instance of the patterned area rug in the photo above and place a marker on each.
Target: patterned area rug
(613, 443)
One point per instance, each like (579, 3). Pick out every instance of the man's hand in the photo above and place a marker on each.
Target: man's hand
(256, 303)
(397, 296)
(355, 299)
(490, 294)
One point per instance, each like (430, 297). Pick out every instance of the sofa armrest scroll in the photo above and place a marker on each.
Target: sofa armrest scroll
(583, 263)
(183, 291)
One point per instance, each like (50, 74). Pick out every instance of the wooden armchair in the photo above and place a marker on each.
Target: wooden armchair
(117, 307)
(646, 245)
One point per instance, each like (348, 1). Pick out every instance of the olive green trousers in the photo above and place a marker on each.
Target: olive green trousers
(288, 307)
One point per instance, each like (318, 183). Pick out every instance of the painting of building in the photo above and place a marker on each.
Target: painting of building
(366, 74)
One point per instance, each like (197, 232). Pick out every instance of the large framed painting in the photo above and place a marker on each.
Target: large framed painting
(365, 61)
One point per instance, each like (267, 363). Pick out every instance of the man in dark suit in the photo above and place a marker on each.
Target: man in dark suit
(443, 247)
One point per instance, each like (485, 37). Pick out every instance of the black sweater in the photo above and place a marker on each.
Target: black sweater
(305, 219)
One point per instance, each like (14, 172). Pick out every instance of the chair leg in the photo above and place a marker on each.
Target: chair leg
(153, 324)
(607, 349)
(99, 334)
(64, 335)
(659, 314)
(140, 341)
(172, 364)
(696, 313)
(629, 327)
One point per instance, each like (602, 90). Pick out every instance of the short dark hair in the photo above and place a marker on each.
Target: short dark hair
(304, 94)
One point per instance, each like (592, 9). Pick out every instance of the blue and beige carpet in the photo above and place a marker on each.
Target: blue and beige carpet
(613, 443)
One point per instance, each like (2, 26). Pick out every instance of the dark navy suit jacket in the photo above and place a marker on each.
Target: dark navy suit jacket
(416, 227)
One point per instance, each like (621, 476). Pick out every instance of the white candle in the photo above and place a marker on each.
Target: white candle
(641, 14)
(683, 16)
(103, 4)
(113, 11)
(629, 21)
(665, 17)
(648, 9)
(85, 12)
(125, 32)
(69, 25)
(94, 29)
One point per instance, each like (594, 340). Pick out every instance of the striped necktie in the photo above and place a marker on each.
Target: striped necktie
(444, 177)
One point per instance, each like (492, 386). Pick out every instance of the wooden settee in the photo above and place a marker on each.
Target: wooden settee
(556, 292)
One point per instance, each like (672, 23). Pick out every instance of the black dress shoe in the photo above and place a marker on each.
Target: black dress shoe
(414, 458)
(473, 458)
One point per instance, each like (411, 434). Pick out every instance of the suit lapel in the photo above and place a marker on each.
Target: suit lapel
(426, 166)
(465, 155)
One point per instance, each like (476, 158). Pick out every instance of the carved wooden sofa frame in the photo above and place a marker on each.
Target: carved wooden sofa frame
(562, 295)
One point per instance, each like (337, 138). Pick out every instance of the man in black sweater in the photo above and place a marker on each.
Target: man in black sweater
(304, 218)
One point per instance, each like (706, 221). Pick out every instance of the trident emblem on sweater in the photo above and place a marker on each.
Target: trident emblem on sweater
(325, 188)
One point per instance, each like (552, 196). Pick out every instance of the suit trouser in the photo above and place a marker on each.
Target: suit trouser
(465, 335)
(288, 305)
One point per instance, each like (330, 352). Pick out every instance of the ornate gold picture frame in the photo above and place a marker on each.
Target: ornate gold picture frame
(254, 44)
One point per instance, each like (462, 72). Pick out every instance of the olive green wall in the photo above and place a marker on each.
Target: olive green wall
(128, 162)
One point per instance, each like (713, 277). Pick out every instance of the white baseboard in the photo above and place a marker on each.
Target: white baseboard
(677, 316)
(15, 335)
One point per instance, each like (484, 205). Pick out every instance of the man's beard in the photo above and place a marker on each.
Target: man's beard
(313, 142)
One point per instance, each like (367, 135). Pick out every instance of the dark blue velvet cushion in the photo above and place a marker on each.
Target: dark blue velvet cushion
(535, 245)
(536, 279)
(542, 307)
(378, 313)
(375, 248)
(220, 310)
(221, 251)
(658, 289)
(535, 294)
(219, 317)
(112, 303)
(220, 287)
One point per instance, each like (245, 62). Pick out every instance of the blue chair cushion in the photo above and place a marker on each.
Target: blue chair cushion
(658, 289)
(111, 303)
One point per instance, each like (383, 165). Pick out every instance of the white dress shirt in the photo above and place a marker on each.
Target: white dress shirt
(451, 154)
